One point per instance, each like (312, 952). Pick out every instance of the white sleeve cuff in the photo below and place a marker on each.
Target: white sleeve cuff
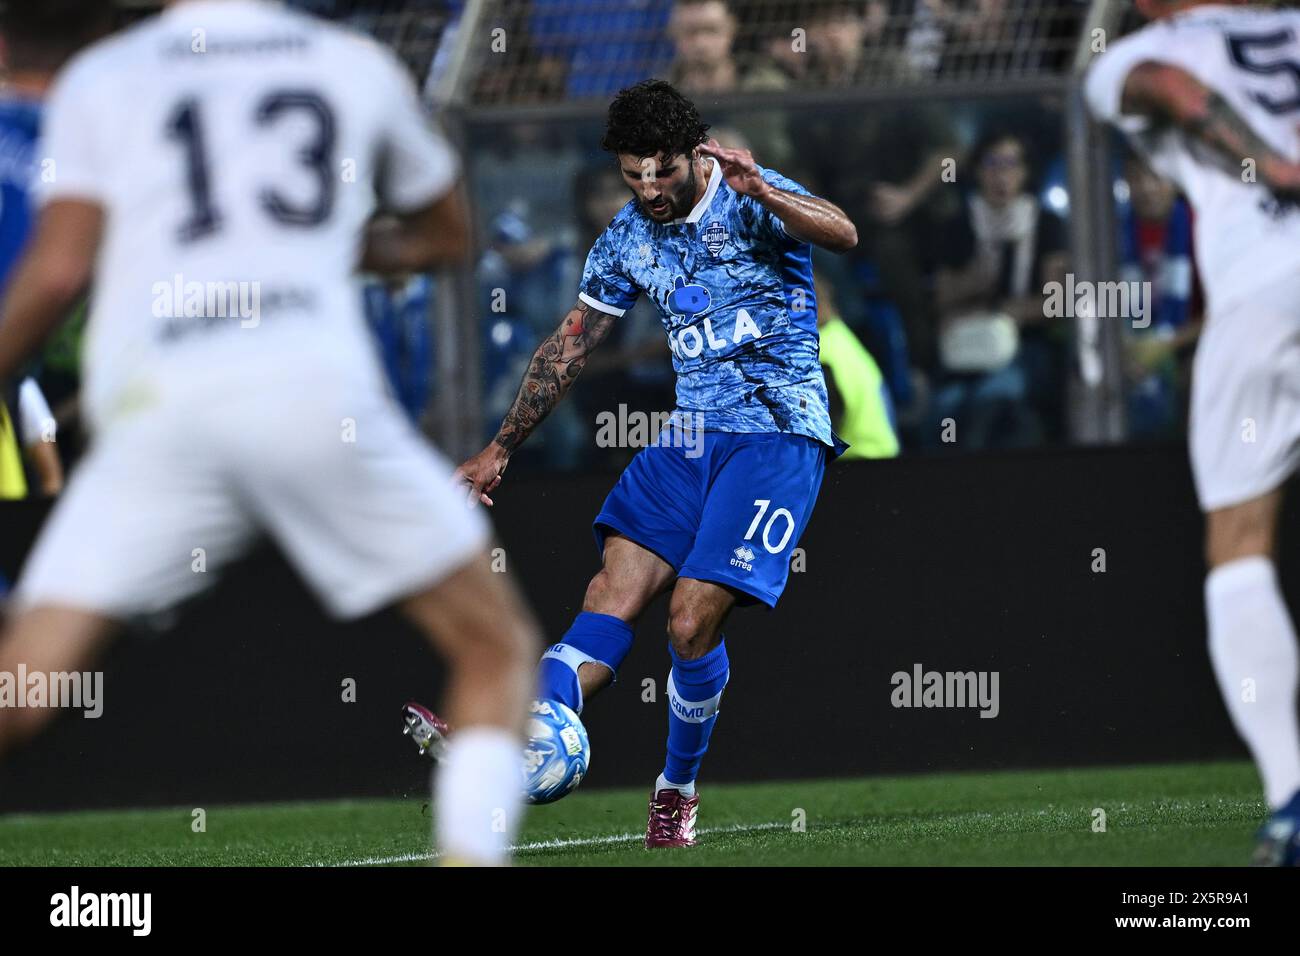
(597, 304)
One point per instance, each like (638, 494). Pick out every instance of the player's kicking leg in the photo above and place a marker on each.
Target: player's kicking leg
(480, 625)
(46, 640)
(427, 729)
(586, 658)
(1253, 650)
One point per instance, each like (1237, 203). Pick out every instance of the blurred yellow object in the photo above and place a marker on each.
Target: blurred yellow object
(865, 424)
(13, 483)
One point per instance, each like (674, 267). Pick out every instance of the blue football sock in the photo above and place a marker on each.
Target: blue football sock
(601, 638)
(557, 679)
(694, 691)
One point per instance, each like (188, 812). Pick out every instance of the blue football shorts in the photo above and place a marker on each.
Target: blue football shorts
(728, 509)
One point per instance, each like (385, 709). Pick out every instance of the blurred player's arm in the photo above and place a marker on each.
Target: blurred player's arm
(50, 279)
(423, 221)
(805, 218)
(437, 235)
(44, 459)
(1168, 94)
(39, 437)
(554, 367)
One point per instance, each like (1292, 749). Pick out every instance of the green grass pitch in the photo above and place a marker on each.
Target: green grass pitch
(1175, 815)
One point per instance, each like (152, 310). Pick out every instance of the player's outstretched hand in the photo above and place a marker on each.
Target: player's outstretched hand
(480, 475)
(738, 168)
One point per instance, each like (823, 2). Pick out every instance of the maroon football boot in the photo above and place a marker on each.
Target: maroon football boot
(672, 819)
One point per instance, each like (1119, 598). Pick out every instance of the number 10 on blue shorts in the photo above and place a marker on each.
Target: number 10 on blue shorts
(731, 515)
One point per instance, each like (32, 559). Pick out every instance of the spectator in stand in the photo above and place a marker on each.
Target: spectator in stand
(849, 45)
(1156, 248)
(521, 274)
(997, 37)
(530, 162)
(861, 412)
(524, 70)
(782, 46)
(924, 33)
(884, 166)
(400, 314)
(703, 33)
(1000, 375)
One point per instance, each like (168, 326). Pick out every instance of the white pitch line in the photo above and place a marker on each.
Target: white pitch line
(557, 844)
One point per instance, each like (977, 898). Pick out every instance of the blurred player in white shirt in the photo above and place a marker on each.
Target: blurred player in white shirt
(1210, 93)
(216, 173)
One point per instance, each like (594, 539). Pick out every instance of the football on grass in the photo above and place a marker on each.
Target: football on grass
(557, 753)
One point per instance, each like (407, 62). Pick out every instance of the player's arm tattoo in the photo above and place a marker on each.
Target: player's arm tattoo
(554, 366)
(1168, 94)
(1228, 133)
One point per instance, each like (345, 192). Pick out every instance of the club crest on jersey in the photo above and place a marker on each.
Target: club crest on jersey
(715, 236)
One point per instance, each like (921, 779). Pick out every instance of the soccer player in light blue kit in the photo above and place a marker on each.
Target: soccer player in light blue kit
(711, 511)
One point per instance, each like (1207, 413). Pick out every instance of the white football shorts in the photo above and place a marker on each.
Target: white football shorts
(360, 504)
(1245, 416)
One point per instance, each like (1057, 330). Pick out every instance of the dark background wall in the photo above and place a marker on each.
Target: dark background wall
(963, 563)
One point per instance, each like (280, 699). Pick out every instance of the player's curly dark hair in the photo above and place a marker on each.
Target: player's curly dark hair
(651, 118)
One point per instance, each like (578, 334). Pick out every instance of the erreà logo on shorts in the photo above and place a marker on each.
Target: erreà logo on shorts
(744, 558)
(75, 908)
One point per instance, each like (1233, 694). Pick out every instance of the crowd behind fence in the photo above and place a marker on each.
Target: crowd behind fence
(940, 126)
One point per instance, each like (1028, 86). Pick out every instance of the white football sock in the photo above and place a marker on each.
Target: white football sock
(663, 783)
(477, 792)
(1253, 650)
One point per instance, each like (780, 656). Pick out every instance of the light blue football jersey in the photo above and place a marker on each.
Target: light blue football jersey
(735, 294)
